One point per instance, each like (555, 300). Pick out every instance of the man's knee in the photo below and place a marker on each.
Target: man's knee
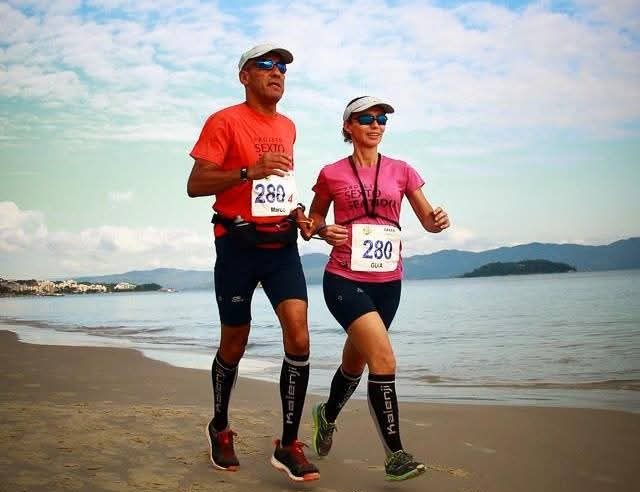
(293, 317)
(296, 340)
(233, 342)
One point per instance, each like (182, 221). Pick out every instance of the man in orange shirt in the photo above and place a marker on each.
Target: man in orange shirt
(244, 156)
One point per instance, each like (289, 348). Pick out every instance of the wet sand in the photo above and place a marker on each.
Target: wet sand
(108, 419)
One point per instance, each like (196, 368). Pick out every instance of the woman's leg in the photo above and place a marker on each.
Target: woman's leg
(369, 336)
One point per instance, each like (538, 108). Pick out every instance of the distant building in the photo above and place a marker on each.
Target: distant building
(124, 286)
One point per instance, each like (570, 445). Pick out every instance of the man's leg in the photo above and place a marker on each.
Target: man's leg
(234, 286)
(294, 376)
(284, 284)
(224, 371)
(233, 340)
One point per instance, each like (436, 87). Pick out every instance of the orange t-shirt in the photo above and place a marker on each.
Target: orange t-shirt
(236, 137)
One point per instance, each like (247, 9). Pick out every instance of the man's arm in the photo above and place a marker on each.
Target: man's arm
(208, 178)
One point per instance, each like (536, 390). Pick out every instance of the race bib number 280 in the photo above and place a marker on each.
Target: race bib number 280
(273, 196)
(374, 248)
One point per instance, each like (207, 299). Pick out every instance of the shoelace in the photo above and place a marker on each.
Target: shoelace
(298, 452)
(330, 426)
(226, 437)
(400, 458)
(324, 423)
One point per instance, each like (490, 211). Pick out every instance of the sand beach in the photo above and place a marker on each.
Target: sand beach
(109, 419)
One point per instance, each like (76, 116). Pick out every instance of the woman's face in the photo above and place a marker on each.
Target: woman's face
(363, 133)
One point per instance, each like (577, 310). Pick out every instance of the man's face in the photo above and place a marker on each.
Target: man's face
(264, 84)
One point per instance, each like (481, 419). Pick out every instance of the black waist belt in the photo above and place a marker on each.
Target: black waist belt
(248, 234)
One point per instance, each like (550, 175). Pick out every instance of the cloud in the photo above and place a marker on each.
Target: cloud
(28, 248)
(35, 250)
(120, 196)
(19, 229)
(156, 68)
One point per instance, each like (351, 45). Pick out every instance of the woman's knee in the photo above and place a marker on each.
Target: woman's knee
(352, 361)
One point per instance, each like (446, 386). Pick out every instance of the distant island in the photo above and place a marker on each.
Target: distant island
(61, 287)
(619, 255)
(524, 267)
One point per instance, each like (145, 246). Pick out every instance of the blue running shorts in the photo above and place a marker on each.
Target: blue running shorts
(237, 273)
(347, 300)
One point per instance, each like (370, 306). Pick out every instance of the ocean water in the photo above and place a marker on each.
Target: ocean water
(554, 340)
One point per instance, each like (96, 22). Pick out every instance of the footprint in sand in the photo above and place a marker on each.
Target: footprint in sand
(417, 424)
(362, 463)
(480, 449)
(456, 472)
(351, 461)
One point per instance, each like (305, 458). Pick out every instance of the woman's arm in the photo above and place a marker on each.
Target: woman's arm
(432, 220)
(333, 234)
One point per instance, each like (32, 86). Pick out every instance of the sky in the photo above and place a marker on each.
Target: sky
(522, 117)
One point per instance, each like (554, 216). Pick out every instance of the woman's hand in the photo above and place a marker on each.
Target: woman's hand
(440, 219)
(334, 234)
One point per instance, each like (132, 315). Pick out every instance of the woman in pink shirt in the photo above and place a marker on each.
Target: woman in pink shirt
(362, 280)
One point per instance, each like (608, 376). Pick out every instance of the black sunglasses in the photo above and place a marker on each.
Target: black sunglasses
(269, 64)
(367, 119)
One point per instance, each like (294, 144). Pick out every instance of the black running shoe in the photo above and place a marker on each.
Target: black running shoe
(221, 450)
(322, 430)
(401, 466)
(291, 460)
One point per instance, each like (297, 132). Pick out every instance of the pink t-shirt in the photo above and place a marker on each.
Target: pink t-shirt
(338, 183)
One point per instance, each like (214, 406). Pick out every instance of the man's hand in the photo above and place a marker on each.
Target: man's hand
(304, 223)
(270, 163)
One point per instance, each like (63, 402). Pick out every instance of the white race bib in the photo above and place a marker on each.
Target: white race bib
(374, 247)
(273, 196)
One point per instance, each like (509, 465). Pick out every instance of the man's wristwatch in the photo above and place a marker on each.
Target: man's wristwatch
(244, 174)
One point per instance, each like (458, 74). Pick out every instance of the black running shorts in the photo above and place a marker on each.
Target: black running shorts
(238, 271)
(348, 299)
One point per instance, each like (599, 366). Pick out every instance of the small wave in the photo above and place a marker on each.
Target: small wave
(566, 360)
(433, 379)
(609, 384)
(267, 343)
(31, 323)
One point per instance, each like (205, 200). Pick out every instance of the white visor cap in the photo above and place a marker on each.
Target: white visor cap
(365, 103)
(263, 49)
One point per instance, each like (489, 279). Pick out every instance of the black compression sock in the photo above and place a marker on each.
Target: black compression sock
(383, 405)
(342, 387)
(223, 378)
(294, 378)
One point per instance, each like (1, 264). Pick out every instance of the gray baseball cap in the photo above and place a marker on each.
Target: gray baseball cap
(263, 49)
(363, 103)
